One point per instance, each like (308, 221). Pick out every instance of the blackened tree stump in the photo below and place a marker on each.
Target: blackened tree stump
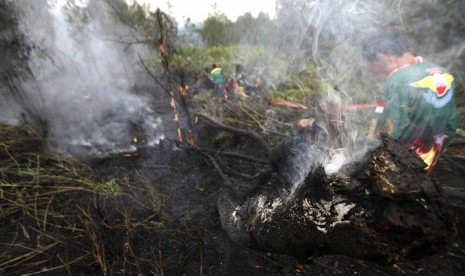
(383, 206)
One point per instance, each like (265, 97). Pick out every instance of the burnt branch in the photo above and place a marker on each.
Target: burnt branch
(213, 162)
(260, 141)
(153, 76)
(238, 155)
(233, 172)
(132, 42)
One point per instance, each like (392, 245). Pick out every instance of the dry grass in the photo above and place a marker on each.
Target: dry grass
(56, 219)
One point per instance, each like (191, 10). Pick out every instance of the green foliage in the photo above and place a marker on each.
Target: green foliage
(219, 30)
(216, 30)
(208, 104)
(195, 60)
(205, 57)
(299, 84)
(302, 86)
(136, 17)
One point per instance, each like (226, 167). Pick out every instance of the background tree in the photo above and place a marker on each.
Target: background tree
(243, 28)
(216, 30)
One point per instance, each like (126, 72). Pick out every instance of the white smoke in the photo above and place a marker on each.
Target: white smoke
(340, 26)
(338, 159)
(83, 80)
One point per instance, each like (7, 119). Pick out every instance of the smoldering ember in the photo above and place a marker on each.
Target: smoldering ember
(122, 154)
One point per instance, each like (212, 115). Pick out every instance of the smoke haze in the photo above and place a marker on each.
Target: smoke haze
(330, 34)
(83, 81)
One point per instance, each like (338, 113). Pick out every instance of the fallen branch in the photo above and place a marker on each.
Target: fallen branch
(251, 134)
(159, 167)
(242, 111)
(217, 168)
(130, 42)
(237, 155)
(233, 172)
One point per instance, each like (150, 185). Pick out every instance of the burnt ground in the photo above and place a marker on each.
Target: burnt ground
(192, 242)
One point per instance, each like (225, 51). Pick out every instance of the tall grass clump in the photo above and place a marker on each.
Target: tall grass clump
(56, 218)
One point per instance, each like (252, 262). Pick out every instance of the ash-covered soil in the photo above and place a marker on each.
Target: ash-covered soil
(191, 240)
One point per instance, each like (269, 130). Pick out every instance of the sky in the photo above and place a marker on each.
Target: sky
(198, 10)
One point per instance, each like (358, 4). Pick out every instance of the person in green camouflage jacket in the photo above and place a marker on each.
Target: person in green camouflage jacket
(417, 105)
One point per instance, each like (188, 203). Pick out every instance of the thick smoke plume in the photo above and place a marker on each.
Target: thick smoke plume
(338, 29)
(83, 79)
(329, 34)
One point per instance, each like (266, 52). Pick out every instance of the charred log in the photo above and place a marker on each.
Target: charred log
(384, 206)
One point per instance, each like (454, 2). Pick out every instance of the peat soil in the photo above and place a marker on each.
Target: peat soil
(192, 241)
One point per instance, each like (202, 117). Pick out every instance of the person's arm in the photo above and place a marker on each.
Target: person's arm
(394, 119)
(211, 76)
